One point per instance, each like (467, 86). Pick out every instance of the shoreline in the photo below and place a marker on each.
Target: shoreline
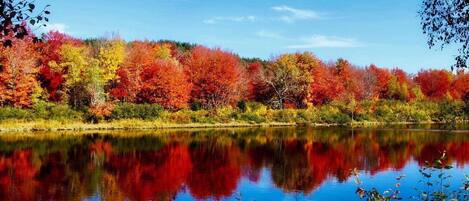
(132, 124)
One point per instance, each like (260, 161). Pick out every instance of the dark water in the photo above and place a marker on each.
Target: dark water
(235, 164)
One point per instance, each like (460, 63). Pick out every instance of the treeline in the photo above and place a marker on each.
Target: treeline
(98, 76)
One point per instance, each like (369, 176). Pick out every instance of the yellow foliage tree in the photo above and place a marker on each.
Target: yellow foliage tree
(289, 78)
(75, 62)
(110, 56)
(163, 51)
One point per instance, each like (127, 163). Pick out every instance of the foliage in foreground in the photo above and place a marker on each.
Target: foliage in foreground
(435, 179)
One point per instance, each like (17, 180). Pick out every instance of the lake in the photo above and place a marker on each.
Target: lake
(289, 163)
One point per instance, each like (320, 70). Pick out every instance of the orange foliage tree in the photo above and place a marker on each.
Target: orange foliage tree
(460, 85)
(214, 75)
(18, 71)
(165, 83)
(140, 55)
(382, 78)
(351, 79)
(325, 87)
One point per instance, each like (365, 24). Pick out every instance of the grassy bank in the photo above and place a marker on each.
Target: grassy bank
(133, 116)
(128, 124)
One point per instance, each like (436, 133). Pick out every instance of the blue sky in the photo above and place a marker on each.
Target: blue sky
(385, 32)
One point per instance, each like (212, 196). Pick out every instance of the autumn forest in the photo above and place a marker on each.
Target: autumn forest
(108, 78)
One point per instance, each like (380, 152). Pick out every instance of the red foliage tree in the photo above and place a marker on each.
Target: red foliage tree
(325, 87)
(165, 83)
(382, 77)
(435, 84)
(50, 52)
(214, 75)
(140, 55)
(350, 78)
(254, 85)
(401, 76)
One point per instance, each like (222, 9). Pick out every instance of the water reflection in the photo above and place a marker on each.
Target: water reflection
(209, 164)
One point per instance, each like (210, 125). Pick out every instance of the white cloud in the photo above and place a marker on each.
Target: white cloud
(215, 20)
(56, 27)
(269, 34)
(314, 41)
(321, 41)
(293, 14)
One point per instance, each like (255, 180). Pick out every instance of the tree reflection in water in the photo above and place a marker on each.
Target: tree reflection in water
(207, 164)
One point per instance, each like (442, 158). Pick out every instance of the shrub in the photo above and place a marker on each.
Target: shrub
(195, 105)
(256, 108)
(449, 110)
(179, 117)
(285, 115)
(252, 118)
(47, 110)
(310, 115)
(63, 112)
(201, 116)
(15, 113)
(136, 111)
(41, 109)
(98, 113)
(225, 114)
(331, 114)
(242, 105)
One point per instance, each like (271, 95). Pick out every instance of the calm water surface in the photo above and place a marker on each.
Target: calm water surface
(233, 164)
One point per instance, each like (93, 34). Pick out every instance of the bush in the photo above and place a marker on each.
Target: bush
(310, 115)
(285, 115)
(41, 110)
(225, 114)
(449, 110)
(136, 111)
(201, 116)
(242, 105)
(63, 112)
(195, 106)
(179, 117)
(251, 118)
(331, 114)
(15, 113)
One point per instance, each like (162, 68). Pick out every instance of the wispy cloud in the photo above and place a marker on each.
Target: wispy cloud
(56, 27)
(293, 14)
(314, 41)
(218, 19)
(269, 34)
(321, 41)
